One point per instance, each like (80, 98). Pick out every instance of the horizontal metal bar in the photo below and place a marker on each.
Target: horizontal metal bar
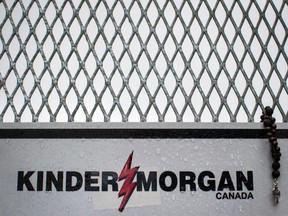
(137, 131)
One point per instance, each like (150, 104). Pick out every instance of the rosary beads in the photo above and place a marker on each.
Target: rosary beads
(270, 127)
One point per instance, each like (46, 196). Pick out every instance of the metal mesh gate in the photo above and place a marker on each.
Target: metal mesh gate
(143, 60)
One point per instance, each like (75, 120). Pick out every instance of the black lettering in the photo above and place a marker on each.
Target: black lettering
(150, 183)
(69, 179)
(162, 181)
(190, 181)
(225, 196)
(250, 196)
(243, 195)
(89, 181)
(24, 180)
(210, 182)
(226, 182)
(109, 178)
(241, 179)
(57, 182)
(40, 181)
(231, 195)
(218, 195)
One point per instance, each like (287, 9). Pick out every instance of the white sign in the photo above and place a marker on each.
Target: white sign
(190, 176)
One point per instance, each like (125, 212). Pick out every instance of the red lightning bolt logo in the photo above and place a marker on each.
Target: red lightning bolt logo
(128, 186)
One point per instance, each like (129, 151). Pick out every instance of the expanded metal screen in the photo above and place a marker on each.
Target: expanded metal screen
(132, 60)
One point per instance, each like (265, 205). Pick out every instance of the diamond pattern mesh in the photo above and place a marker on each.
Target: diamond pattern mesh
(143, 61)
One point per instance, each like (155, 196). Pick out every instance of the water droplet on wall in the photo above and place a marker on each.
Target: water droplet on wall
(173, 197)
(164, 159)
(241, 163)
(240, 209)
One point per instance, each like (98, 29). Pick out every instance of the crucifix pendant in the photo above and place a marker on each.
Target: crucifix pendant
(276, 193)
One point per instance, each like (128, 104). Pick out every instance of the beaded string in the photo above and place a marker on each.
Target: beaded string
(270, 127)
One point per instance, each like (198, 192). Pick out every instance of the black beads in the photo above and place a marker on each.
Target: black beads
(267, 122)
(275, 174)
(270, 127)
(268, 111)
(275, 165)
